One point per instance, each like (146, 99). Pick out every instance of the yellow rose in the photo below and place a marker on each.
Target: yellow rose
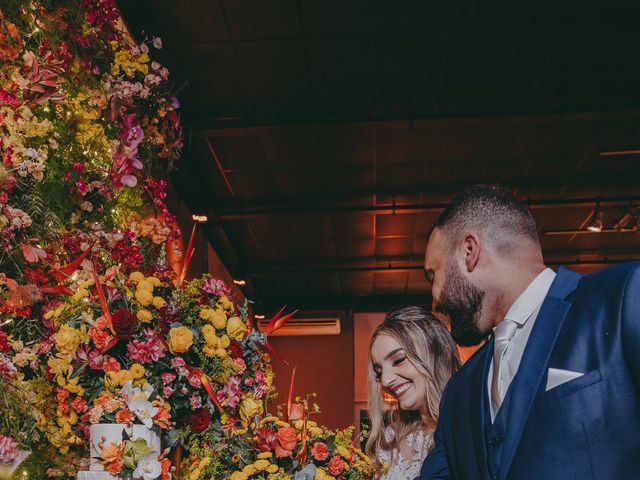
(249, 408)
(68, 339)
(180, 339)
(137, 371)
(158, 302)
(236, 328)
(144, 315)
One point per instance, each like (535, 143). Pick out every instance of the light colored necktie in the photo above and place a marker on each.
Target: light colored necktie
(502, 335)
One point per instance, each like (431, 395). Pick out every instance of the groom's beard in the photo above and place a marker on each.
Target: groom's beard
(462, 302)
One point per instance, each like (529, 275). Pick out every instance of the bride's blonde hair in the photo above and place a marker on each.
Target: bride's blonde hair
(431, 350)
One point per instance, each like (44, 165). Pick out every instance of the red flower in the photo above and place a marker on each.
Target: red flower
(336, 466)
(235, 350)
(124, 323)
(319, 451)
(265, 439)
(199, 421)
(287, 441)
(4, 343)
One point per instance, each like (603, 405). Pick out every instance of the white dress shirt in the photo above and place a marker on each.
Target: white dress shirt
(524, 312)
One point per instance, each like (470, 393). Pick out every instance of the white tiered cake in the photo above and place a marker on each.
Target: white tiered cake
(103, 434)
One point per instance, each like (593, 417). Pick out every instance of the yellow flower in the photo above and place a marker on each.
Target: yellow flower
(144, 297)
(238, 476)
(155, 281)
(144, 315)
(80, 293)
(158, 302)
(136, 277)
(343, 452)
(265, 454)
(236, 328)
(137, 371)
(146, 284)
(249, 408)
(68, 339)
(225, 303)
(180, 339)
(59, 365)
(249, 470)
(261, 464)
(272, 468)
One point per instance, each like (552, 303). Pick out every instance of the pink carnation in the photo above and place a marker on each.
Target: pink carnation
(167, 391)
(167, 377)
(8, 449)
(194, 381)
(196, 402)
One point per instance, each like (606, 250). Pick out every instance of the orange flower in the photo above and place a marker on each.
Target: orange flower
(124, 416)
(287, 441)
(115, 467)
(336, 466)
(112, 455)
(166, 469)
(163, 417)
(111, 365)
(319, 451)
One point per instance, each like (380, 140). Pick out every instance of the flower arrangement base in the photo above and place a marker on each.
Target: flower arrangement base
(103, 434)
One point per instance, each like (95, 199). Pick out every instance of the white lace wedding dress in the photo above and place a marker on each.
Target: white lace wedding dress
(405, 464)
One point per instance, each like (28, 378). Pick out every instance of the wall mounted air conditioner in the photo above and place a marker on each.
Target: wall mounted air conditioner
(302, 327)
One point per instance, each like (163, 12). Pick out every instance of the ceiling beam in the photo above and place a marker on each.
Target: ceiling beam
(551, 118)
(407, 266)
(257, 211)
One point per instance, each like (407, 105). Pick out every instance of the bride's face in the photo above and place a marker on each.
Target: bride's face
(397, 375)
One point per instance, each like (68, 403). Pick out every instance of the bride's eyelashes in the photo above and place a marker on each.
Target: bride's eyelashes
(398, 361)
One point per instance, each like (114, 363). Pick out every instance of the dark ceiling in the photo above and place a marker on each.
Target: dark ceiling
(324, 136)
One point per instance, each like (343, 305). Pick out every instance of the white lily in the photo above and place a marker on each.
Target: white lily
(144, 410)
(149, 468)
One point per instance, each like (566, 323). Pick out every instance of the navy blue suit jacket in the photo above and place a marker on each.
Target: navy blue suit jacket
(586, 428)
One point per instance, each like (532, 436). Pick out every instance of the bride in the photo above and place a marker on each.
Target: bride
(411, 358)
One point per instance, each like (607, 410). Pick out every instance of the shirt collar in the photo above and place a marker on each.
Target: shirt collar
(531, 298)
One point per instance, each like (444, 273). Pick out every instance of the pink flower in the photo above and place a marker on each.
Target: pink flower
(8, 449)
(196, 401)
(215, 287)
(194, 380)
(167, 391)
(167, 377)
(146, 352)
(230, 393)
(157, 42)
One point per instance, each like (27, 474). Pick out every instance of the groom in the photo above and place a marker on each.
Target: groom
(555, 392)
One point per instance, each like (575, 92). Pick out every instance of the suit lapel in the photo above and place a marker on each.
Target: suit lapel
(478, 407)
(535, 360)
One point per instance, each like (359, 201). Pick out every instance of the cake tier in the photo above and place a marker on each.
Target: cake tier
(103, 434)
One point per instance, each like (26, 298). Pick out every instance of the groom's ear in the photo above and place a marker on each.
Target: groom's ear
(471, 247)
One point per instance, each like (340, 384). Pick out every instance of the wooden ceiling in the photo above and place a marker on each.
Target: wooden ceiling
(324, 137)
